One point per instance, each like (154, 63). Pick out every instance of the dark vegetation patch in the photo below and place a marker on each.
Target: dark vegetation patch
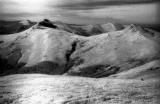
(6, 101)
(9, 61)
(69, 52)
(4, 66)
(70, 62)
(45, 67)
(1, 42)
(139, 62)
(96, 71)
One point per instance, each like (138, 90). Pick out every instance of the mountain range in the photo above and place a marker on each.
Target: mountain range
(79, 64)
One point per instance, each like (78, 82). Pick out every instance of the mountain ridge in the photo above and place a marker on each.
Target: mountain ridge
(48, 46)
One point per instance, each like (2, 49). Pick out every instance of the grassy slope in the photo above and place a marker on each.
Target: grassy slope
(45, 89)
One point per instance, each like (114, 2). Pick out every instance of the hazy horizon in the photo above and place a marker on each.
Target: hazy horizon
(83, 11)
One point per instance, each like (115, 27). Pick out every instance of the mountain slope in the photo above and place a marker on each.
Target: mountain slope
(114, 52)
(46, 89)
(52, 50)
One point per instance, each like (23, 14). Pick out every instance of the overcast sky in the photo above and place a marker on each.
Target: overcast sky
(82, 11)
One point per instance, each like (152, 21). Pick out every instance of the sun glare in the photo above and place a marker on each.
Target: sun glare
(31, 6)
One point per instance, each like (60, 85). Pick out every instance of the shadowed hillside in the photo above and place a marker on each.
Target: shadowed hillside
(10, 27)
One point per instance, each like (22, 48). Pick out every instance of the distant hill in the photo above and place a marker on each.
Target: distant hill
(11, 27)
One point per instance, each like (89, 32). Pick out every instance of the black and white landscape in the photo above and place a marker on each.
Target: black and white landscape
(79, 52)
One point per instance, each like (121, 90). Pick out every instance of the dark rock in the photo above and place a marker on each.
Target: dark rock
(47, 23)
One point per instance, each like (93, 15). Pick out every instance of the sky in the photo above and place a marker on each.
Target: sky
(82, 11)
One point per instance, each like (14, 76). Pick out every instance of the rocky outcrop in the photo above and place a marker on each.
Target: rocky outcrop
(47, 23)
